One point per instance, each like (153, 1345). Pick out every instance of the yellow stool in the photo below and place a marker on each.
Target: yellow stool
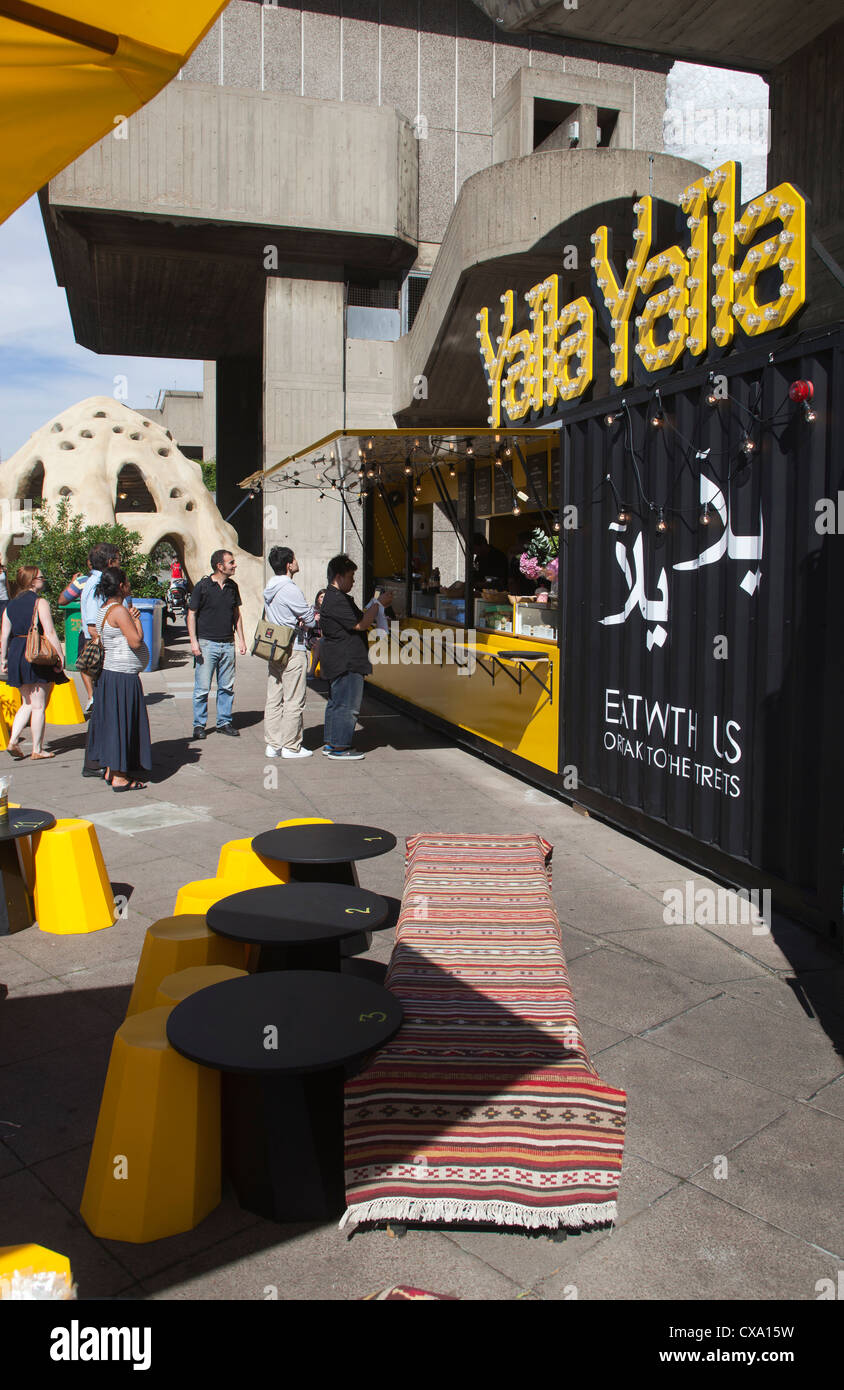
(10, 701)
(307, 820)
(63, 706)
(4, 731)
(31, 1259)
(202, 893)
(174, 944)
(241, 867)
(174, 988)
(72, 892)
(155, 1165)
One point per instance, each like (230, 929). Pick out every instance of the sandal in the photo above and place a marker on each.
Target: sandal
(42, 755)
(16, 751)
(130, 787)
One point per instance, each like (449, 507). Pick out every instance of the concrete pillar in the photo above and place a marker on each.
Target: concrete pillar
(209, 410)
(303, 401)
(239, 443)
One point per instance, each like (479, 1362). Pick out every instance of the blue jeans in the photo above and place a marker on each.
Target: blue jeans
(219, 657)
(341, 712)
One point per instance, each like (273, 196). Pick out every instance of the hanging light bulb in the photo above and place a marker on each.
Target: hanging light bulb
(516, 508)
(662, 524)
(747, 445)
(610, 419)
(469, 450)
(556, 525)
(508, 452)
(499, 462)
(657, 418)
(370, 472)
(711, 398)
(809, 413)
(704, 516)
(408, 468)
(452, 472)
(624, 513)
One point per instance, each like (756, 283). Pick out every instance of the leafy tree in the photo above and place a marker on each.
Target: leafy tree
(60, 545)
(209, 474)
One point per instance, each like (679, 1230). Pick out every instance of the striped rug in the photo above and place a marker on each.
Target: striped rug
(485, 1108)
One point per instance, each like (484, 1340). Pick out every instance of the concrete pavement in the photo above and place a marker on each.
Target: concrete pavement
(723, 1038)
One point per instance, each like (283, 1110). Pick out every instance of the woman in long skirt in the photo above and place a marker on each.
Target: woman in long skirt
(35, 683)
(119, 732)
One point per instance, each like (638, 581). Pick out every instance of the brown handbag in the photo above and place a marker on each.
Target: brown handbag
(39, 649)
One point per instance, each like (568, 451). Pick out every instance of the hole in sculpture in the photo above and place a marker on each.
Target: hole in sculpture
(66, 444)
(117, 429)
(133, 495)
(54, 429)
(65, 492)
(87, 434)
(99, 414)
(164, 453)
(135, 434)
(189, 506)
(31, 488)
(175, 492)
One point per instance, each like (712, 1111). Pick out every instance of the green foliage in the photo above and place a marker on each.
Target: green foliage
(209, 473)
(60, 545)
(542, 546)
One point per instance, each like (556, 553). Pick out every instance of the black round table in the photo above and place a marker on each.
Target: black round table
(16, 912)
(324, 853)
(298, 926)
(284, 1043)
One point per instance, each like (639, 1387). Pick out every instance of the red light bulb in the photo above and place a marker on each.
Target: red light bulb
(801, 391)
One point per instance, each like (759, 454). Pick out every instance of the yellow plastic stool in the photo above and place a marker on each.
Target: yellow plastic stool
(174, 944)
(72, 892)
(155, 1165)
(202, 893)
(306, 820)
(35, 1259)
(4, 731)
(242, 868)
(63, 706)
(174, 988)
(10, 701)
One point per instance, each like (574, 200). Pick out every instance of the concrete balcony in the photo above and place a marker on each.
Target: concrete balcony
(509, 229)
(164, 239)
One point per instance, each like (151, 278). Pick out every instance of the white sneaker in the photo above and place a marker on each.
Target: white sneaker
(296, 753)
(270, 752)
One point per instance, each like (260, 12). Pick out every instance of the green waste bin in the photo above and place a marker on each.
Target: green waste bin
(73, 638)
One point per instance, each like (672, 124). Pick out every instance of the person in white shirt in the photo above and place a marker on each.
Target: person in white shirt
(287, 688)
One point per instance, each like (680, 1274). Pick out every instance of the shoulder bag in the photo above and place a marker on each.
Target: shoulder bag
(39, 649)
(92, 656)
(273, 642)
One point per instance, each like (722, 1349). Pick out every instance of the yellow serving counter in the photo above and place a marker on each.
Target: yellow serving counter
(510, 703)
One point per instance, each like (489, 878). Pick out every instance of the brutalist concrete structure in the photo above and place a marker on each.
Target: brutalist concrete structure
(277, 208)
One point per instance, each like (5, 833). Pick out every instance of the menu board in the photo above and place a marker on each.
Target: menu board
(555, 480)
(502, 491)
(462, 494)
(537, 486)
(483, 492)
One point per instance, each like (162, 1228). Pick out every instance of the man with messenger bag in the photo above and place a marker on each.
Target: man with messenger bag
(282, 640)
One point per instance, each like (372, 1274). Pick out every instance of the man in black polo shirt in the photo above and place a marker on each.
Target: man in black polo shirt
(344, 656)
(213, 620)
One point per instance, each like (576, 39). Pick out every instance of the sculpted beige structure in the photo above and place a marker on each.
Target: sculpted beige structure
(112, 464)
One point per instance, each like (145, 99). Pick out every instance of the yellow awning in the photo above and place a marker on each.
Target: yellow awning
(68, 70)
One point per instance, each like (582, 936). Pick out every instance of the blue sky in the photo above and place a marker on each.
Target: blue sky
(42, 369)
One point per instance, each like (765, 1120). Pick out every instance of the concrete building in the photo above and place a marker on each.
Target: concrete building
(278, 210)
(188, 418)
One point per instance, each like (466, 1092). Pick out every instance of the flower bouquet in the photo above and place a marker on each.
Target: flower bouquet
(540, 559)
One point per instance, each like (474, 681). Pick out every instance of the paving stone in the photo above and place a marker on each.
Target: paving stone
(691, 951)
(323, 1263)
(681, 1114)
(744, 1040)
(37, 1019)
(830, 1098)
(16, 969)
(690, 1246)
(630, 993)
(31, 1215)
(812, 993)
(51, 1102)
(605, 905)
(790, 1174)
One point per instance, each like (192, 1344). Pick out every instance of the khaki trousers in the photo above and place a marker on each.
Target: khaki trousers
(284, 714)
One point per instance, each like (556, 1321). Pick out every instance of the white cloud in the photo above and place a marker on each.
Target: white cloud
(42, 369)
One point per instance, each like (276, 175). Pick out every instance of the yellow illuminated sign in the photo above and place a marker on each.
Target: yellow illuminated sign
(678, 303)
